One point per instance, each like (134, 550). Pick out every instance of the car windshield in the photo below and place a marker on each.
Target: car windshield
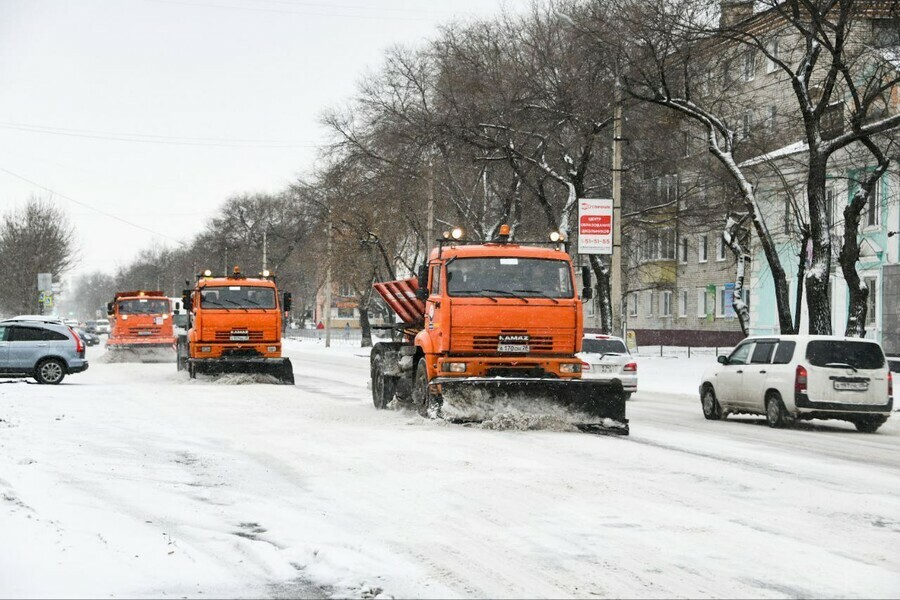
(859, 355)
(603, 346)
(143, 306)
(237, 296)
(509, 277)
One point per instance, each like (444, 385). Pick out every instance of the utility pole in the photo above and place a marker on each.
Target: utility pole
(328, 284)
(264, 250)
(615, 271)
(429, 220)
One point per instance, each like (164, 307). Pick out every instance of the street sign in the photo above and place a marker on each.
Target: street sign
(46, 299)
(45, 282)
(595, 226)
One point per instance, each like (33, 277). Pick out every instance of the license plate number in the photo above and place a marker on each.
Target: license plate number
(851, 386)
(240, 338)
(144, 333)
(607, 368)
(520, 348)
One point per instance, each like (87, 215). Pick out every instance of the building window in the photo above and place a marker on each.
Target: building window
(720, 301)
(683, 250)
(703, 249)
(772, 50)
(682, 306)
(747, 124)
(771, 118)
(873, 207)
(667, 244)
(829, 204)
(649, 303)
(666, 303)
(872, 302)
(749, 66)
(633, 308)
(701, 303)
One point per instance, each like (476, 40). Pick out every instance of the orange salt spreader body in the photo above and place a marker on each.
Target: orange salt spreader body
(488, 328)
(140, 327)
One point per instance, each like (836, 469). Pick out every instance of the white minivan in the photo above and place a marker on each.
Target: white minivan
(787, 377)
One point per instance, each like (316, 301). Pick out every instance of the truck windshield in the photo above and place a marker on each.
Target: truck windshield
(237, 296)
(144, 306)
(509, 277)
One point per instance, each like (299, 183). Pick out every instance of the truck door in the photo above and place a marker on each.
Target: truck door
(433, 305)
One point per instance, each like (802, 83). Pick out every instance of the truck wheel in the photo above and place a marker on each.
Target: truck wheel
(382, 385)
(869, 424)
(50, 371)
(426, 404)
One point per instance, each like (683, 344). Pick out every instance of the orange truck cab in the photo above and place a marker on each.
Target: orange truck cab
(499, 321)
(234, 325)
(140, 320)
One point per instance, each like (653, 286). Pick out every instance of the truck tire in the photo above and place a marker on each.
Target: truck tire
(382, 385)
(426, 404)
(869, 424)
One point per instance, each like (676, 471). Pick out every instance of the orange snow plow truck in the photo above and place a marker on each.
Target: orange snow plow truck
(140, 327)
(234, 326)
(491, 329)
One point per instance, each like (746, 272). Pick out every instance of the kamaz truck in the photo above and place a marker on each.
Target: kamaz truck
(140, 327)
(234, 326)
(492, 327)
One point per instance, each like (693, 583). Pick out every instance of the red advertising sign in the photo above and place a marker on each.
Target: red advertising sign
(595, 223)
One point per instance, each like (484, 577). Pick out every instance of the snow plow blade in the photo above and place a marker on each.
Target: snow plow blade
(593, 406)
(279, 368)
(143, 353)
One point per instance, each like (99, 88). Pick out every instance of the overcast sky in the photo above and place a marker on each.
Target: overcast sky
(156, 111)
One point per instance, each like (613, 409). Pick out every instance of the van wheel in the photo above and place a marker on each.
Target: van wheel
(776, 415)
(50, 371)
(382, 385)
(869, 424)
(712, 410)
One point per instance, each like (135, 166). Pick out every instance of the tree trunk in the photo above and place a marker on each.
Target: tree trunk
(602, 289)
(730, 236)
(801, 276)
(817, 277)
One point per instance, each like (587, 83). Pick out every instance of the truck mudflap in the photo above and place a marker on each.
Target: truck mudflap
(279, 368)
(592, 406)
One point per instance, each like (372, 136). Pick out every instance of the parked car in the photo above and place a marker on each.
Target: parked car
(99, 326)
(45, 350)
(792, 377)
(91, 339)
(607, 357)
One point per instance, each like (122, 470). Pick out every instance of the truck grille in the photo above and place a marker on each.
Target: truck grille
(543, 341)
(239, 335)
(144, 331)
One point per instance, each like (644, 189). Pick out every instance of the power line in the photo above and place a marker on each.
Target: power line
(89, 207)
(158, 139)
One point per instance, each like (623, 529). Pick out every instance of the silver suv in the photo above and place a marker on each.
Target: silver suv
(45, 350)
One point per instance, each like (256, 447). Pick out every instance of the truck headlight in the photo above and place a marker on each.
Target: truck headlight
(570, 368)
(271, 348)
(454, 367)
(205, 348)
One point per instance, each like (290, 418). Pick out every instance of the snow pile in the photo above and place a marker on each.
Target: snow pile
(527, 422)
(239, 379)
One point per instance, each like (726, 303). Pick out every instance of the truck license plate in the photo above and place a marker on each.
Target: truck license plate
(240, 338)
(520, 348)
(852, 386)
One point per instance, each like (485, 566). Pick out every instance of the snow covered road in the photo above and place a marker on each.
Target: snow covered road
(131, 480)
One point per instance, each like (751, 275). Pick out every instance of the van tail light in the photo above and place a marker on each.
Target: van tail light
(890, 385)
(630, 367)
(800, 380)
(585, 366)
(79, 345)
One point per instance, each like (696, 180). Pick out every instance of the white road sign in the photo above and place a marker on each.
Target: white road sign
(595, 225)
(45, 282)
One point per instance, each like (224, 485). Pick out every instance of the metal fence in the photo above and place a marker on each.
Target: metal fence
(682, 351)
(339, 337)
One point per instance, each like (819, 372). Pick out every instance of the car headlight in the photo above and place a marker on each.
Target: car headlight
(570, 368)
(454, 367)
(271, 348)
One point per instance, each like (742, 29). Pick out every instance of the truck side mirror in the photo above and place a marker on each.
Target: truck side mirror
(423, 276)
(286, 301)
(586, 276)
(186, 301)
(109, 308)
(587, 293)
